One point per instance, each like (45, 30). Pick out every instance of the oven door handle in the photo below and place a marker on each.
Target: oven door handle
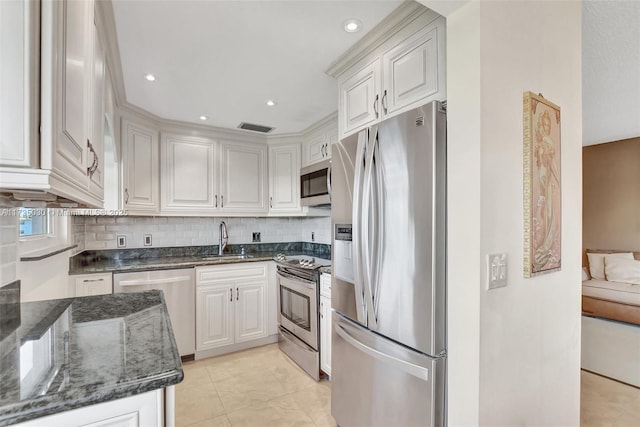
(291, 278)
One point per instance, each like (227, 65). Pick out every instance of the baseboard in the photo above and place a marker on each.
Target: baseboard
(203, 354)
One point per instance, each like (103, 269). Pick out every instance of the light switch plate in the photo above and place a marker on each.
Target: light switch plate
(496, 270)
(147, 239)
(121, 241)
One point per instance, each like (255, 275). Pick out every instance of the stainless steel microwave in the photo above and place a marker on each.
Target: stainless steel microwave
(315, 184)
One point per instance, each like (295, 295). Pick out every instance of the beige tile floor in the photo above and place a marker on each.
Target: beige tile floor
(262, 387)
(605, 402)
(256, 387)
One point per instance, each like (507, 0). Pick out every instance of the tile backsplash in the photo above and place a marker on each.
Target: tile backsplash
(100, 232)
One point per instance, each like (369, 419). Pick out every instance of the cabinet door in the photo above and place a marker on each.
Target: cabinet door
(414, 70)
(141, 169)
(19, 103)
(214, 316)
(92, 284)
(314, 149)
(251, 310)
(96, 152)
(243, 183)
(325, 334)
(360, 99)
(73, 91)
(188, 174)
(284, 176)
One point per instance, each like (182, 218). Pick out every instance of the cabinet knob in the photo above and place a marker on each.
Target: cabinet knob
(271, 202)
(216, 200)
(230, 294)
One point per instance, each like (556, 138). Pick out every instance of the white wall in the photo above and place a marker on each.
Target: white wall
(9, 231)
(513, 352)
(45, 279)
(463, 194)
(529, 330)
(101, 231)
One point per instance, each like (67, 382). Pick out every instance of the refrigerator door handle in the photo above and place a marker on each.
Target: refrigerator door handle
(379, 229)
(410, 368)
(372, 320)
(357, 232)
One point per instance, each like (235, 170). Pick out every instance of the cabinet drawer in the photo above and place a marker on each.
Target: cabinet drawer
(232, 272)
(92, 284)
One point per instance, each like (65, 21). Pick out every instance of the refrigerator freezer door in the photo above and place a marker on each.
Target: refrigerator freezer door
(377, 382)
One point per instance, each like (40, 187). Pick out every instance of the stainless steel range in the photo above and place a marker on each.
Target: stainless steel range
(298, 295)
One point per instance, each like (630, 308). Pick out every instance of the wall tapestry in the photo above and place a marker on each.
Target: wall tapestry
(542, 189)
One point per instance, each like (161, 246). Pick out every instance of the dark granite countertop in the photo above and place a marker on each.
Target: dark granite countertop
(129, 260)
(69, 353)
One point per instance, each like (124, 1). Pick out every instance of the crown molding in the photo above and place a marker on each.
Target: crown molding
(404, 14)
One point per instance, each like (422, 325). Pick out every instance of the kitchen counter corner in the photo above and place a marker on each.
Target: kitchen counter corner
(75, 352)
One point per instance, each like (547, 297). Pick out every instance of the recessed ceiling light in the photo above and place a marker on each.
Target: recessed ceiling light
(204, 118)
(271, 103)
(150, 77)
(352, 25)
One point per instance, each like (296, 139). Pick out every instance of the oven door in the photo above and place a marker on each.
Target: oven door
(298, 307)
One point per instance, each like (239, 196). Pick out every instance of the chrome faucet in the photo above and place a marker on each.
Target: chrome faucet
(224, 237)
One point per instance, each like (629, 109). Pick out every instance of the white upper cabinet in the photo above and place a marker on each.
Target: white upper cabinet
(141, 168)
(284, 177)
(243, 180)
(412, 68)
(188, 174)
(19, 102)
(71, 114)
(53, 80)
(360, 98)
(406, 70)
(318, 139)
(96, 151)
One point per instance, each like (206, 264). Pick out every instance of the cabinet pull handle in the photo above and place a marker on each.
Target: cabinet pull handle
(230, 294)
(91, 169)
(222, 201)
(326, 149)
(237, 294)
(322, 150)
(271, 202)
(216, 200)
(375, 105)
(384, 104)
(92, 280)
(126, 193)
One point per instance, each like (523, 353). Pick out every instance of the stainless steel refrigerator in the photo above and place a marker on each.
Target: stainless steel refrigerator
(389, 278)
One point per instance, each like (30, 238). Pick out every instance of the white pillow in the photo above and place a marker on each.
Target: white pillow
(596, 263)
(585, 274)
(622, 270)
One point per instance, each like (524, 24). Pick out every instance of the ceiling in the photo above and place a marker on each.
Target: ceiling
(610, 70)
(225, 59)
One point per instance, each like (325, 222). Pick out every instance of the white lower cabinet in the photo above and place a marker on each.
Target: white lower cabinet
(91, 284)
(232, 303)
(146, 409)
(325, 323)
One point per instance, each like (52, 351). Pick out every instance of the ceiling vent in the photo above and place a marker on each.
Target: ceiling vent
(255, 128)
